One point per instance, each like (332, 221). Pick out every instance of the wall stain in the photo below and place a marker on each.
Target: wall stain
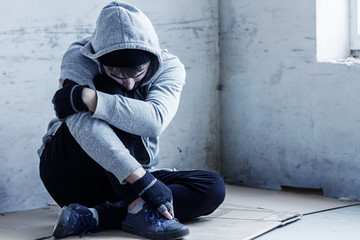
(310, 38)
(276, 78)
(184, 22)
(195, 30)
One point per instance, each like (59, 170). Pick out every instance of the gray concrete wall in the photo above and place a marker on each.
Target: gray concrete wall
(286, 118)
(33, 37)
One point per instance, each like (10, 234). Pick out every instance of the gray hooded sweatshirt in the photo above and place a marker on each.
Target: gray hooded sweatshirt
(146, 114)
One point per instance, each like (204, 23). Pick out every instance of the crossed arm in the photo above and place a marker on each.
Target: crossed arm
(89, 97)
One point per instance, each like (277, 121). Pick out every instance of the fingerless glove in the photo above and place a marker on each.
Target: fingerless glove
(153, 192)
(68, 99)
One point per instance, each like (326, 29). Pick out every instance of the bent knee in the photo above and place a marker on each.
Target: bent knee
(213, 189)
(217, 190)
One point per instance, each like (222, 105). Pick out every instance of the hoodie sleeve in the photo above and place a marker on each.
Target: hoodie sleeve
(105, 148)
(150, 117)
(95, 136)
(77, 67)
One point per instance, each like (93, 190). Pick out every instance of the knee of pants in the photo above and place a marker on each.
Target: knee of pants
(210, 187)
(212, 192)
(216, 190)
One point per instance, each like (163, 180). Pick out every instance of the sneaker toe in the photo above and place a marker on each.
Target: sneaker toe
(176, 226)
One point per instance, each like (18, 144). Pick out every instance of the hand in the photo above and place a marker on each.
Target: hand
(68, 99)
(154, 193)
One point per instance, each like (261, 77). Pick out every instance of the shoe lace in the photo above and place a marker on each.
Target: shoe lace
(85, 225)
(153, 216)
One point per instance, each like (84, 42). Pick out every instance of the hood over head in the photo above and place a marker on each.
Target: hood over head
(122, 26)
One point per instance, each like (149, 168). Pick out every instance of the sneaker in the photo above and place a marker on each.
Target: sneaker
(149, 223)
(74, 219)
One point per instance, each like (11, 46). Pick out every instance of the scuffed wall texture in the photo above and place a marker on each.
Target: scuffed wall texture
(286, 119)
(34, 34)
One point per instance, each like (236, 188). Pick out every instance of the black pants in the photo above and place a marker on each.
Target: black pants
(71, 176)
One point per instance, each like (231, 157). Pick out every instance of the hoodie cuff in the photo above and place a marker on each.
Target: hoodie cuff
(121, 173)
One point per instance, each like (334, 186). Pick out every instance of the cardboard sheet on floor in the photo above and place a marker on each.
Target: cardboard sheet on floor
(245, 214)
(281, 200)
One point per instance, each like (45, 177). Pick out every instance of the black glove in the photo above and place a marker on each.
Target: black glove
(154, 193)
(68, 99)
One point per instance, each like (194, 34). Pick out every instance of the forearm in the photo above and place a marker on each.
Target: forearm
(89, 97)
(142, 118)
(145, 123)
(136, 175)
(101, 143)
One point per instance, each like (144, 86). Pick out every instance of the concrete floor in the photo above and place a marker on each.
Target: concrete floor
(247, 213)
(342, 223)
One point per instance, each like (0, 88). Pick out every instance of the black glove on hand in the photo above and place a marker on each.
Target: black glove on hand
(154, 193)
(68, 99)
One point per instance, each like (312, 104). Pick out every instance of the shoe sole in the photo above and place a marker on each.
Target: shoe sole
(62, 225)
(158, 236)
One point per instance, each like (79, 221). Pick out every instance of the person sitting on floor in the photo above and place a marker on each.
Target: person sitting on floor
(119, 92)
